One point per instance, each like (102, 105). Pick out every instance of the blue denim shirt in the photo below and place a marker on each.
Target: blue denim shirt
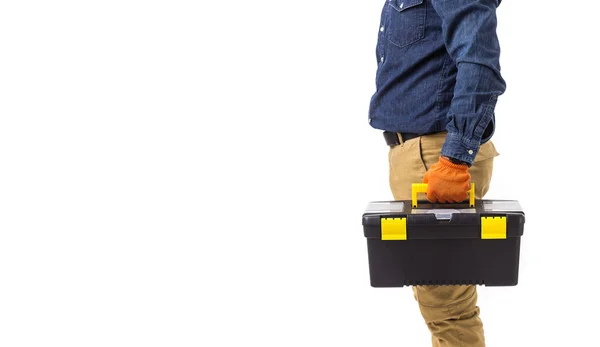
(438, 69)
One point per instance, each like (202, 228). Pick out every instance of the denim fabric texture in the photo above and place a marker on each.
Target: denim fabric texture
(438, 70)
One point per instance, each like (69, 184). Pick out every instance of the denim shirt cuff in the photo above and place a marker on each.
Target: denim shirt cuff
(460, 148)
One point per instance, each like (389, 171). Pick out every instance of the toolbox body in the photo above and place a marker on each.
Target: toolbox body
(443, 244)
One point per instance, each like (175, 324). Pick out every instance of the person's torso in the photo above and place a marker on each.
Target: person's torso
(415, 76)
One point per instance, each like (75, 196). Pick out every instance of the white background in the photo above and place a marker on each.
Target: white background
(193, 173)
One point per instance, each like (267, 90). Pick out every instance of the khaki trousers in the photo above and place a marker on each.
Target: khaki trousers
(450, 312)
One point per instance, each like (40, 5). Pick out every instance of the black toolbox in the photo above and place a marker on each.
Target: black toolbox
(419, 243)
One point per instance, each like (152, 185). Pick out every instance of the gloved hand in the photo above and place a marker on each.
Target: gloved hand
(447, 182)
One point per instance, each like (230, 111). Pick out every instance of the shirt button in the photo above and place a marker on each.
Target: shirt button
(471, 152)
(382, 28)
(382, 59)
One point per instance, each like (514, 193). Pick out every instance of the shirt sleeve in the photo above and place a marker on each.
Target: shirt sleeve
(469, 31)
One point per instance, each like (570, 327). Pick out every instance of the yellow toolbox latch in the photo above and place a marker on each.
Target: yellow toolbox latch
(493, 227)
(393, 228)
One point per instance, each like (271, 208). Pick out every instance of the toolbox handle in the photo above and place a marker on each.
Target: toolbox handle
(422, 188)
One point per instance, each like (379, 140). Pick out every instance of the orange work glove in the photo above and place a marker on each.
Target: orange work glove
(447, 182)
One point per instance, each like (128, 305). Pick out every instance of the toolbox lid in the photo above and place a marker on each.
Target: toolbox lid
(486, 219)
(385, 206)
(502, 205)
